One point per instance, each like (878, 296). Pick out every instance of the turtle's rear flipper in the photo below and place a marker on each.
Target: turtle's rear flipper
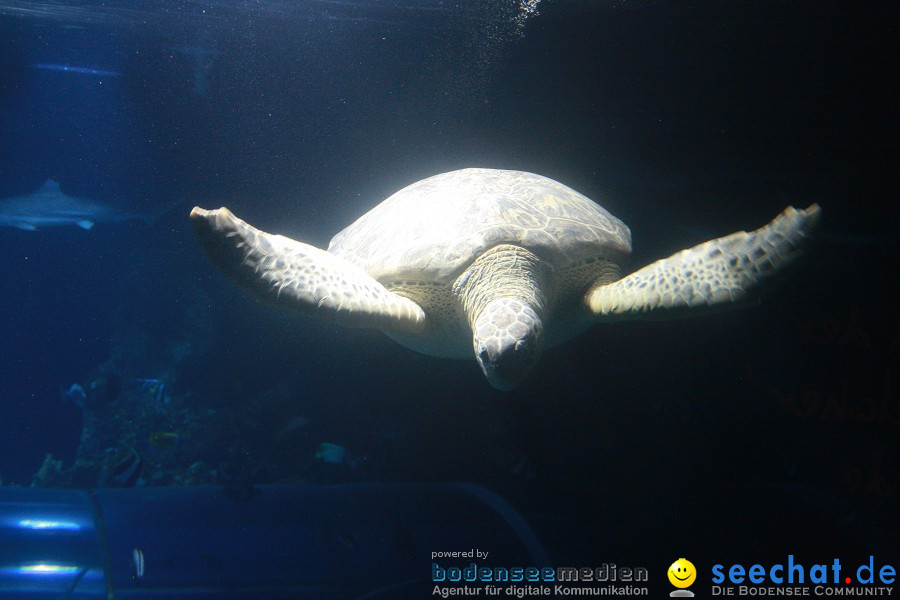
(300, 276)
(724, 272)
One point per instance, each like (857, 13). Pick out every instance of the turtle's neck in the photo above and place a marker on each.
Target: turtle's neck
(504, 271)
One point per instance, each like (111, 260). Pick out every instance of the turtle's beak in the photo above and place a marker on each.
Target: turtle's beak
(505, 370)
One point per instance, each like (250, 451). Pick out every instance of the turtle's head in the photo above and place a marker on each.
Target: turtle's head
(508, 336)
(503, 294)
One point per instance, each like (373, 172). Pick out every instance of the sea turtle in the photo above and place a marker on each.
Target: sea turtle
(506, 261)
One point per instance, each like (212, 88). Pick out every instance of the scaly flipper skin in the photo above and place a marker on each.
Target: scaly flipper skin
(300, 276)
(721, 273)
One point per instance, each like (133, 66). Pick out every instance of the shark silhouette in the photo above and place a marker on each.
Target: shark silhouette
(48, 206)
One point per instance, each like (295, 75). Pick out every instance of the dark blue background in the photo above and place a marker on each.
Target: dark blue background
(686, 120)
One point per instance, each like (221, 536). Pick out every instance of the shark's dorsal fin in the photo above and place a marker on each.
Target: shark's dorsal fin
(51, 185)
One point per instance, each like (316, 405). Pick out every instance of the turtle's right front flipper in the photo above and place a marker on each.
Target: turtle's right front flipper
(303, 277)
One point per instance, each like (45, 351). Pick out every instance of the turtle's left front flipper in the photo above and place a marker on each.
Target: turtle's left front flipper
(303, 277)
(728, 271)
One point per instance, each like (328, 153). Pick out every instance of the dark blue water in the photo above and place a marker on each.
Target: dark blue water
(768, 430)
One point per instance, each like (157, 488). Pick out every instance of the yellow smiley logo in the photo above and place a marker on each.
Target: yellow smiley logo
(682, 573)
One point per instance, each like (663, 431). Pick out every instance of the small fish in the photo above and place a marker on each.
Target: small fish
(164, 440)
(137, 563)
(127, 472)
(75, 394)
(332, 454)
(335, 454)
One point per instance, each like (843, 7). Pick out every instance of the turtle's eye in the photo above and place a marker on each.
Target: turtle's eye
(520, 346)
